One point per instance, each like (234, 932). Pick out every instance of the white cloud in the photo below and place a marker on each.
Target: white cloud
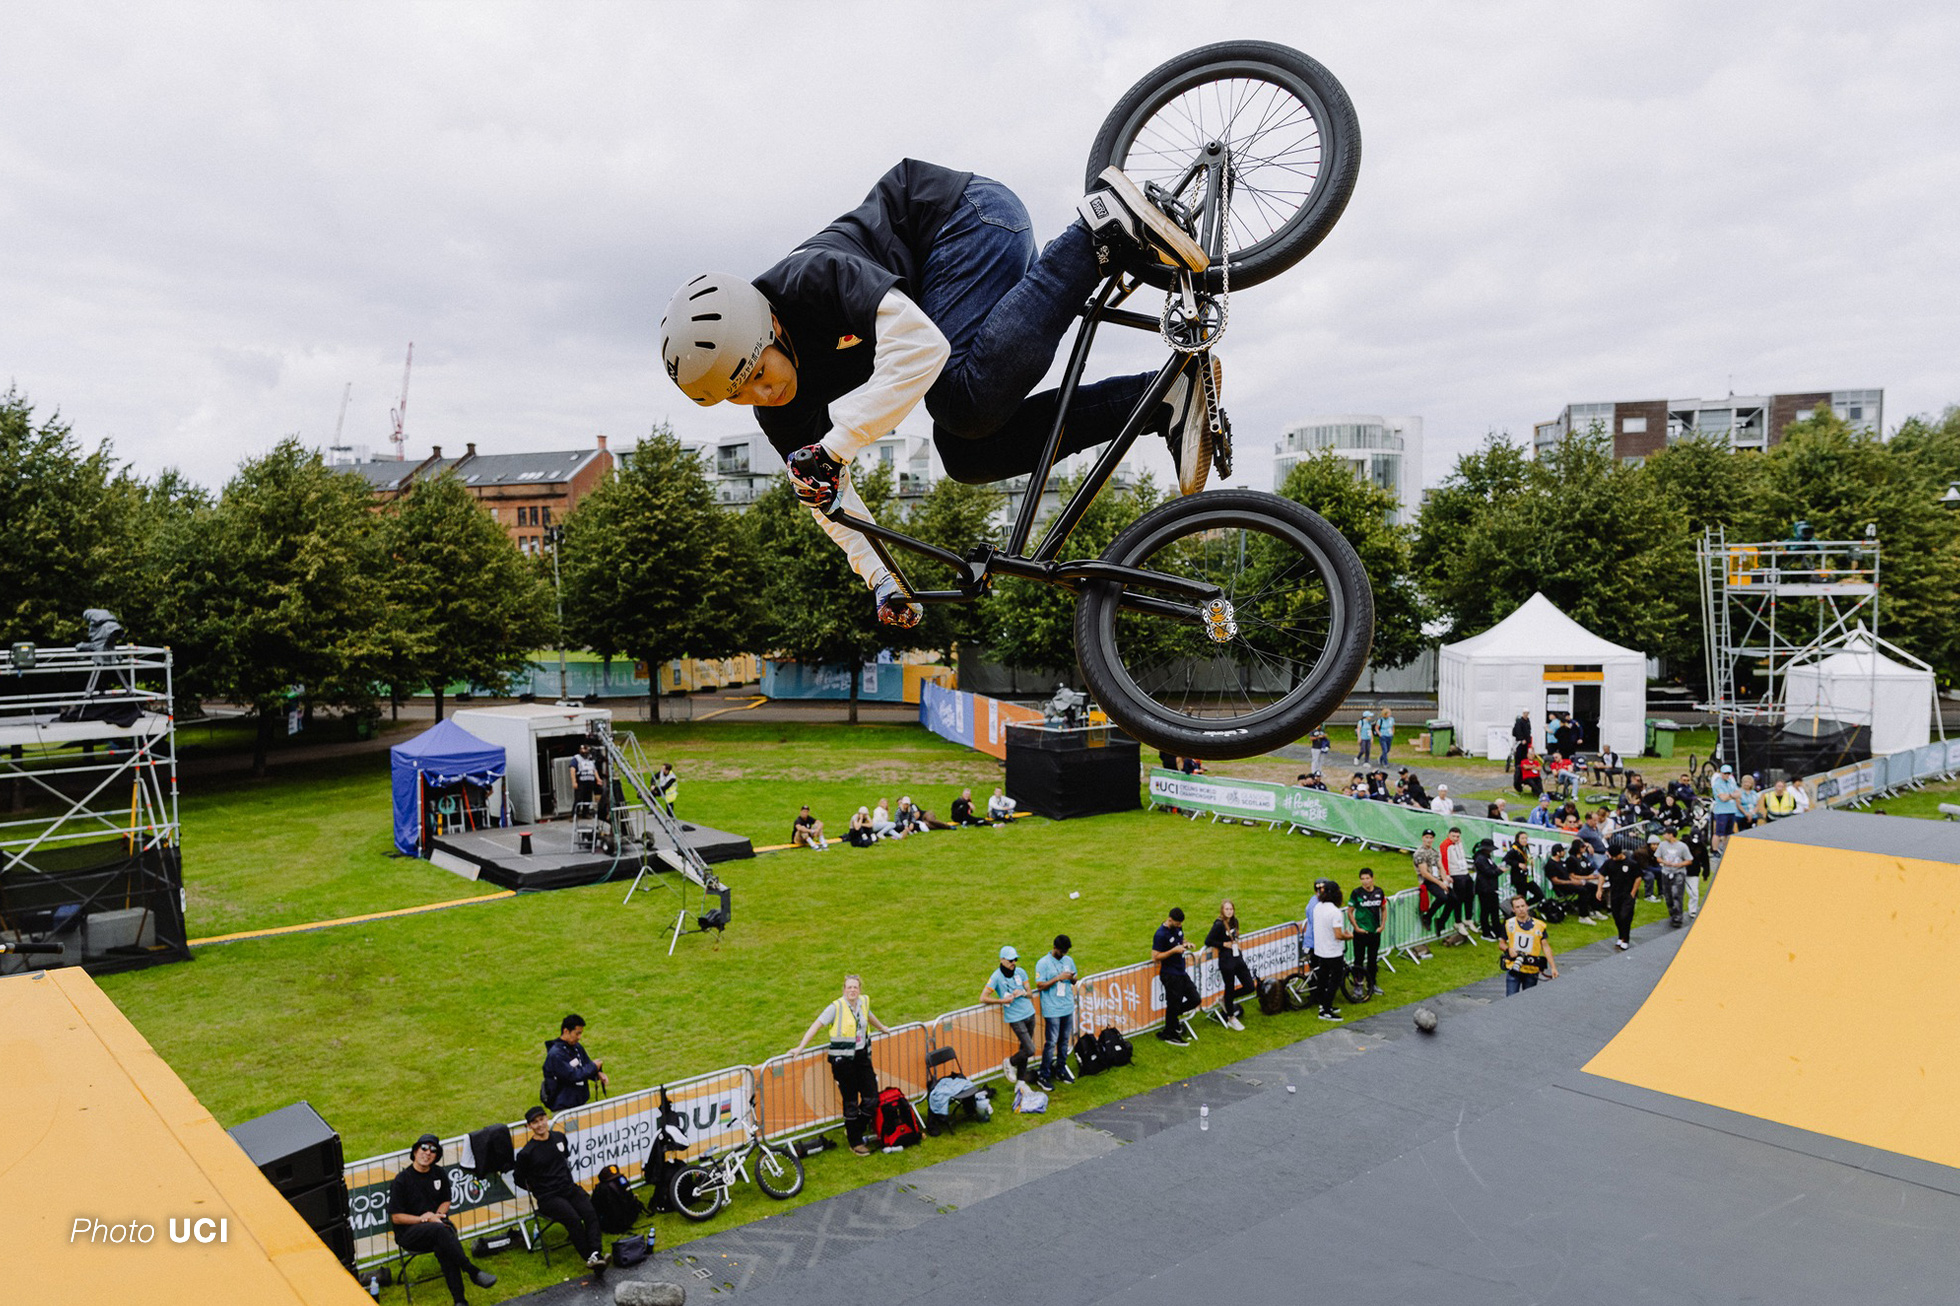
(216, 216)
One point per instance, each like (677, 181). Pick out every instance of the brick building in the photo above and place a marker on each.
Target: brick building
(1644, 426)
(523, 492)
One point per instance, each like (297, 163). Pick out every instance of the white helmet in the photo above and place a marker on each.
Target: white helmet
(713, 334)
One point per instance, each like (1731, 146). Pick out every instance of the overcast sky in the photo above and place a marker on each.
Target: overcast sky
(214, 217)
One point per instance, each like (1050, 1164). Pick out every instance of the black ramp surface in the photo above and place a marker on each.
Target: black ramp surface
(1430, 1169)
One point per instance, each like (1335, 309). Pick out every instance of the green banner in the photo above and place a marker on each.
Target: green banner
(1389, 825)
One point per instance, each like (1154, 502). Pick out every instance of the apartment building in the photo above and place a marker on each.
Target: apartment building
(1641, 427)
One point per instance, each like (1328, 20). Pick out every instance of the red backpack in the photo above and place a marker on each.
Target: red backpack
(897, 1121)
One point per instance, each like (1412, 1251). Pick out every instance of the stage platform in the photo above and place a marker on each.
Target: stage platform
(555, 864)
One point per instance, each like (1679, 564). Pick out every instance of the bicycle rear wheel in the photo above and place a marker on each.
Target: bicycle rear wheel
(1286, 646)
(778, 1172)
(1284, 123)
(696, 1192)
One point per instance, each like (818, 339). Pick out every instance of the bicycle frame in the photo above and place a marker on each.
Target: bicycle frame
(985, 561)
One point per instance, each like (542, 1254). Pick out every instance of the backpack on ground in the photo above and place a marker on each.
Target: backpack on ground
(1116, 1049)
(619, 1210)
(897, 1120)
(1272, 996)
(1089, 1055)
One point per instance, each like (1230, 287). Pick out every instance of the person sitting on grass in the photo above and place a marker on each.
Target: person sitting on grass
(882, 824)
(806, 831)
(1000, 807)
(860, 834)
(908, 819)
(418, 1212)
(963, 813)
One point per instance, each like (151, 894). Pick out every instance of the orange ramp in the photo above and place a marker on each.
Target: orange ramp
(1816, 989)
(96, 1127)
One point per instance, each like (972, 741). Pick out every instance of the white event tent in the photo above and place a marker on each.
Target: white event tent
(1857, 684)
(1539, 660)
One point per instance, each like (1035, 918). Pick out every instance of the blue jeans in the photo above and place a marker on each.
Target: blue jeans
(1515, 983)
(1054, 1047)
(1388, 741)
(1004, 312)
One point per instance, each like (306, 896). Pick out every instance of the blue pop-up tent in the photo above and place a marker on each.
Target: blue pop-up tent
(439, 757)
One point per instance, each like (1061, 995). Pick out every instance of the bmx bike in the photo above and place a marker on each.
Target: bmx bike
(700, 1189)
(1227, 623)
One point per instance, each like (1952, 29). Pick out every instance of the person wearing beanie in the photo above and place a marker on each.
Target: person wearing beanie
(1169, 950)
(544, 1168)
(418, 1211)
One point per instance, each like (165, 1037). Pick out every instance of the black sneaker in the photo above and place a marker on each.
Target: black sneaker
(1064, 1074)
(483, 1278)
(1118, 208)
(816, 477)
(1328, 1013)
(1045, 1084)
(1188, 430)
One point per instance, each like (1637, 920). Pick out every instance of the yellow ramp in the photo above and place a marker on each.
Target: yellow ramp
(94, 1126)
(1818, 990)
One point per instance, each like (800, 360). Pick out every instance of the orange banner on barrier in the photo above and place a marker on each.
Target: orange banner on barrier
(991, 717)
(798, 1094)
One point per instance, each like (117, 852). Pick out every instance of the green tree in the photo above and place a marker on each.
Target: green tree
(69, 539)
(1483, 480)
(654, 568)
(1034, 624)
(1359, 510)
(818, 611)
(280, 587)
(1588, 531)
(956, 517)
(464, 604)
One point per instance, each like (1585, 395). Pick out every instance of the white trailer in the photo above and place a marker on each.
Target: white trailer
(539, 740)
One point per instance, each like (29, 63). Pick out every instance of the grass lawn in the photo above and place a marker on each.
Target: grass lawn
(1924, 803)
(438, 1021)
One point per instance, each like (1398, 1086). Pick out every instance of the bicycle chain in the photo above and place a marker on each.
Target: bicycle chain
(1221, 426)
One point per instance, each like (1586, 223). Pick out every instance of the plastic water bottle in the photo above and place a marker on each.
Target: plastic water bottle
(1204, 1116)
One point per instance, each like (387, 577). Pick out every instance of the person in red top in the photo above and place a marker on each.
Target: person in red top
(1528, 775)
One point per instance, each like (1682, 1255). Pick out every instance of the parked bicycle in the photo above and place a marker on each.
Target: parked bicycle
(1226, 623)
(700, 1189)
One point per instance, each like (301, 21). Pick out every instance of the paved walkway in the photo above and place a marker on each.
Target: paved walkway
(856, 1247)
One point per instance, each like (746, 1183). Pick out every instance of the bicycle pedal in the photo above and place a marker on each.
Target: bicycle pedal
(1221, 445)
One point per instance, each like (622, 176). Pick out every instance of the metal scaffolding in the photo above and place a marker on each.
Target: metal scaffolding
(1768, 605)
(89, 833)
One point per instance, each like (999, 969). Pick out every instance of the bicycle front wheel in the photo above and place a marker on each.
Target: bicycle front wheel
(1255, 668)
(778, 1172)
(1287, 142)
(696, 1192)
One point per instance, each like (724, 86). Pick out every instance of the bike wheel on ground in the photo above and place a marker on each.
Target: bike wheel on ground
(1286, 126)
(1262, 665)
(1355, 986)
(778, 1172)
(695, 1193)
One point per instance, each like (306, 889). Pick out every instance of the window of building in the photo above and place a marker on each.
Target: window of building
(547, 517)
(1633, 426)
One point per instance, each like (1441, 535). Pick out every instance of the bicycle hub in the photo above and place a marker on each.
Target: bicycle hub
(1218, 621)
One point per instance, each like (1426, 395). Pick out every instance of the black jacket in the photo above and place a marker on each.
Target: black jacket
(544, 1165)
(567, 1067)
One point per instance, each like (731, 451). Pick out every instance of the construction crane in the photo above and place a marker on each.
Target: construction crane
(336, 449)
(400, 412)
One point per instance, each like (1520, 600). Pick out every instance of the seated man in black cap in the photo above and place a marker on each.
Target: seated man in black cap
(418, 1209)
(544, 1168)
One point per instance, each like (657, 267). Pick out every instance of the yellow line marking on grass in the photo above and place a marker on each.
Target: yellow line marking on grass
(757, 701)
(350, 920)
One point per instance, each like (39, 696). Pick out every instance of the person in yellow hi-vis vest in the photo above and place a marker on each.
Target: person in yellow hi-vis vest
(1527, 952)
(851, 1021)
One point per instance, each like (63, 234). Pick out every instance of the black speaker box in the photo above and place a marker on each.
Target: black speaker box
(339, 1239)
(1064, 773)
(323, 1204)
(293, 1147)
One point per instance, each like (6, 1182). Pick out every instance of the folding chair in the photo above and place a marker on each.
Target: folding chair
(944, 1063)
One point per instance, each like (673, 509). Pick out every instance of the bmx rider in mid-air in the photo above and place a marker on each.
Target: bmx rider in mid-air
(930, 289)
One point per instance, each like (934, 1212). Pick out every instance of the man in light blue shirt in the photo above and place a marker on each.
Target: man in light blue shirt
(1054, 979)
(1728, 795)
(1007, 988)
(1364, 735)
(1541, 815)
